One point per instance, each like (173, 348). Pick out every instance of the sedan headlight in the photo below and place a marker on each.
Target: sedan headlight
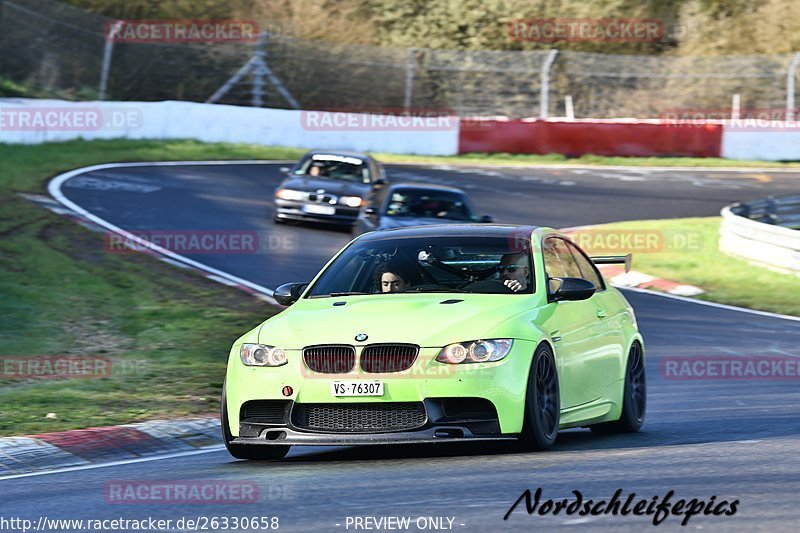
(289, 194)
(350, 201)
(262, 355)
(480, 351)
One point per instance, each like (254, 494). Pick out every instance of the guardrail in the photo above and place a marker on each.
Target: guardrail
(765, 232)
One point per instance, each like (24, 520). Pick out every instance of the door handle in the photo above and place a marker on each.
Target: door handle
(601, 313)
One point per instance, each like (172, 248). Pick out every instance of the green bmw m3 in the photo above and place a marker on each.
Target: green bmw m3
(441, 333)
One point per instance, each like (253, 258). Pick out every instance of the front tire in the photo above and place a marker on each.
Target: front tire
(542, 402)
(251, 452)
(634, 400)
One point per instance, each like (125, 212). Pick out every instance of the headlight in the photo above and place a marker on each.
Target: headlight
(350, 201)
(262, 355)
(480, 351)
(289, 194)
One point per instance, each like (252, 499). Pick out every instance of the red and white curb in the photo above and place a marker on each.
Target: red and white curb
(81, 447)
(633, 279)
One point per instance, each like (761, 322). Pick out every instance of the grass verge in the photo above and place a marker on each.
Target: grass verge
(166, 331)
(697, 260)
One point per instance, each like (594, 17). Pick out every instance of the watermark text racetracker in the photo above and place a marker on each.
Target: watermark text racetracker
(550, 30)
(13, 367)
(183, 31)
(624, 240)
(684, 368)
(200, 241)
(54, 367)
(74, 118)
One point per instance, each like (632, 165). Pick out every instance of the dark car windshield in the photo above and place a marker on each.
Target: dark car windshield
(333, 167)
(427, 264)
(427, 203)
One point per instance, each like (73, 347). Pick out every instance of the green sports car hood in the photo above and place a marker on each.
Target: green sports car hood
(425, 319)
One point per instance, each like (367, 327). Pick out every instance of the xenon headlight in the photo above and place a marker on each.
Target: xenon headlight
(350, 201)
(290, 194)
(480, 351)
(262, 355)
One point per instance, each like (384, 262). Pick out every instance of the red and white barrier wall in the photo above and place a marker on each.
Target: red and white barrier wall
(392, 133)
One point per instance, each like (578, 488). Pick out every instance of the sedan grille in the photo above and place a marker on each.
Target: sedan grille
(333, 359)
(388, 357)
(359, 417)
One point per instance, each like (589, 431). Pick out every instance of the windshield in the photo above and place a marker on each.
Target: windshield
(333, 167)
(419, 203)
(485, 265)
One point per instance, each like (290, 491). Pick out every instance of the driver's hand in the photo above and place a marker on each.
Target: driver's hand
(513, 284)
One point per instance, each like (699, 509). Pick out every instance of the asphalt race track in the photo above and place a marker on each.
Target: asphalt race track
(733, 439)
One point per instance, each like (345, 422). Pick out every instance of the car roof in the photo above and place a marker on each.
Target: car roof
(340, 153)
(451, 230)
(425, 187)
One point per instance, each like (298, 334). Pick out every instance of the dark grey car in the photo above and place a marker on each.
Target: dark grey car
(328, 186)
(414, 204)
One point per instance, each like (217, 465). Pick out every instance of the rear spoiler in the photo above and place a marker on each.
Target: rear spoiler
(614, 260)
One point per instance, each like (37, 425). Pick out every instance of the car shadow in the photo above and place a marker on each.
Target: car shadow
(654, 435)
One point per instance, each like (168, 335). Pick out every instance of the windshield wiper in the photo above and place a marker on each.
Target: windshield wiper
(352, 293)
(432, 289)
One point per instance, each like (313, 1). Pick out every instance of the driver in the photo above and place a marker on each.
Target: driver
(514, 271)
(391, 277)
(315, 170)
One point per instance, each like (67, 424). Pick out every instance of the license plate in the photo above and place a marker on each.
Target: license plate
(357, 388)
(319, 209)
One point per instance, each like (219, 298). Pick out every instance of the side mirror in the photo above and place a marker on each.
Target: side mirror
(370, 211)
(572, 289)
(289, 293)
(379, 183)
(486, 219)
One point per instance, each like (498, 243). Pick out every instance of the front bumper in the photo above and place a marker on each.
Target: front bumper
(294, 210)
(502, 384)
(286, 436)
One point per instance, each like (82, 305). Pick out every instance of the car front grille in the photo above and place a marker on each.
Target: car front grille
(359, 417)
(388, 357)
(333, 359)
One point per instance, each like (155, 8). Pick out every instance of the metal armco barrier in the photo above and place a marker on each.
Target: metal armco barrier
(766, 232)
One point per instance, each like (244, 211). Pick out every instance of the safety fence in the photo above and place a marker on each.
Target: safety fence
(55, 50)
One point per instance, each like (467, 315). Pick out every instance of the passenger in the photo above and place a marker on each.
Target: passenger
(315, 170)
(514, 271)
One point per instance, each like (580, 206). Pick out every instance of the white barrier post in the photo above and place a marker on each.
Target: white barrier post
(790, 83)
(544, 97)
(108, 51)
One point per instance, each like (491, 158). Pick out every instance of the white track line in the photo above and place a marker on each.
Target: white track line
(54, 187)
(210, 449)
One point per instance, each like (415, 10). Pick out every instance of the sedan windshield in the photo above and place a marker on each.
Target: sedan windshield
(427, 203)
(485, 265)
(335, 168)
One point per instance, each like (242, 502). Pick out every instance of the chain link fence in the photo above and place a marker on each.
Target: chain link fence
(52, 49)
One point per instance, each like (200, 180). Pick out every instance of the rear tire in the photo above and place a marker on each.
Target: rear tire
(542, 402)
(634, 399)
(251, 452)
